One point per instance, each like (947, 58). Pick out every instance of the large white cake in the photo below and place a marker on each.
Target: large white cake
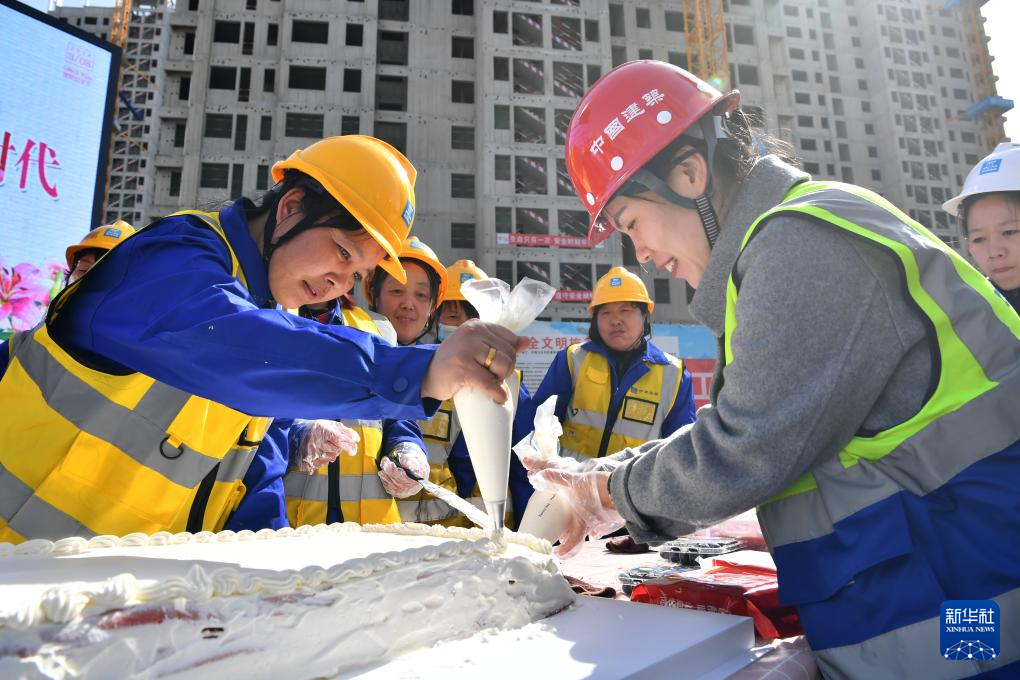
(306, 603)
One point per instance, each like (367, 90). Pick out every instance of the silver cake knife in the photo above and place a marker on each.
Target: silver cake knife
(474, 514)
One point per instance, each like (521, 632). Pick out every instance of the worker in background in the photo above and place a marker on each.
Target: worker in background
(82, 256)
(455, 309)
(989, 212)
(141, 400)
(324, 486)
(866, 390)
(618, 389)
(413, 309)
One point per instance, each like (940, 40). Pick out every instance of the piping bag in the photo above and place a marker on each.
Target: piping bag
(486, 425)
(451, 499)
(548, 511)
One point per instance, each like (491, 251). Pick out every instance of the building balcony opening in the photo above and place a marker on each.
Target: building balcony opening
(573, 223)
(307, 78)
(568, 80)
(392, 46)
(529, 76)
(529, 125)
(532, 221)
(310, 32)
(531, 176)
(227, 32)
(575, 276)
(566, 33)
(534, 270)
(527, 29)
(392, 133)
(393, 10)
(391, 93)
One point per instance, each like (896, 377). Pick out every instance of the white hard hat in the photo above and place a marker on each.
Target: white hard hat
(998, 171)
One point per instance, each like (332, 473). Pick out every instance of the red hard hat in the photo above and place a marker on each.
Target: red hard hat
(625, 119)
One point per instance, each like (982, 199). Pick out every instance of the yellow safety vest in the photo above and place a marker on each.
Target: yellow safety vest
(355, 478)
(84, 452)
(439, 434)
(642, 412)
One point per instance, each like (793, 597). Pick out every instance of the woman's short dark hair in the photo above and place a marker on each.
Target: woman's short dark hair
(1011, 196)
(469, 309)
(316, 201)
(593, 328)
(381, 275)
(735, 154)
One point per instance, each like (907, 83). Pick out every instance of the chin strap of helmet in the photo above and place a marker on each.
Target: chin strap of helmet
(712, 130)
(269, 246)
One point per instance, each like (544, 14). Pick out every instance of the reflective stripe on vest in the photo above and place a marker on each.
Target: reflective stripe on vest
(970, 415)
(362, 496)
(912, 651)
(112, 454)
(975, 392)
(439, 434)
(643, 410)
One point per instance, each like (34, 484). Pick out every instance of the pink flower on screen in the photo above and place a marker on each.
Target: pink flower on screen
(24, 294)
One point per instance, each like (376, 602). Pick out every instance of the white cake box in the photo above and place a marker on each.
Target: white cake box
(594, 638)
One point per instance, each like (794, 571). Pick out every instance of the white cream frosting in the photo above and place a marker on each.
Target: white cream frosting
(408, 585)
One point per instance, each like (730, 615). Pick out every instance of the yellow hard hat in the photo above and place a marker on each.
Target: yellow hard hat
(371, 179)
(101, 238)
(413, 249)
(459, 272)
(620, 285)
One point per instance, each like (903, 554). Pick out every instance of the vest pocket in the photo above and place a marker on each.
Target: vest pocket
(225, 498)
(437, 427)
(639, 410)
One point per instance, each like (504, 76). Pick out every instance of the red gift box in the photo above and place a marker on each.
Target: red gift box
(731, 589)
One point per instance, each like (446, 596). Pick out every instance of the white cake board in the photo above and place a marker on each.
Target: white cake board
(595, 638)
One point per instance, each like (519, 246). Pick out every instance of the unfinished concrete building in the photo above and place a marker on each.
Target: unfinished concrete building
(478, 94)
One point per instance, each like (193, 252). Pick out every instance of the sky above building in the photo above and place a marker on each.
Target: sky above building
(1002, 19)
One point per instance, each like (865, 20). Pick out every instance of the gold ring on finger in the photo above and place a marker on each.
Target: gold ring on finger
(490, 357)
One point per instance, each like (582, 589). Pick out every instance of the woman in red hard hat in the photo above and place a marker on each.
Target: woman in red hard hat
(866, 390)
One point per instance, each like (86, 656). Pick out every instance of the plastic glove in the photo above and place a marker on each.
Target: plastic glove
(592, 511)
(323, 442)
(534, 464)
(395, 481)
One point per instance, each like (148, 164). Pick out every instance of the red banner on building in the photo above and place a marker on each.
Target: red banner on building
(545, 240)
(572, 296)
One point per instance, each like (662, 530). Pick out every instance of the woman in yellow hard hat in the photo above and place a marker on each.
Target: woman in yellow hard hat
(446, 460)
(81, 256)
(455, 309)
(164, 365)
(411, 304)
(619, 389)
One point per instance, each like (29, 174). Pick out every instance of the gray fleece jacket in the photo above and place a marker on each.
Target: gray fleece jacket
(826, 345)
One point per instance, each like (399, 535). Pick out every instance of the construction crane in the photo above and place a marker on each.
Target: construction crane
(122, 13)
(119, 26)
(990, 107)
(707, 56)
